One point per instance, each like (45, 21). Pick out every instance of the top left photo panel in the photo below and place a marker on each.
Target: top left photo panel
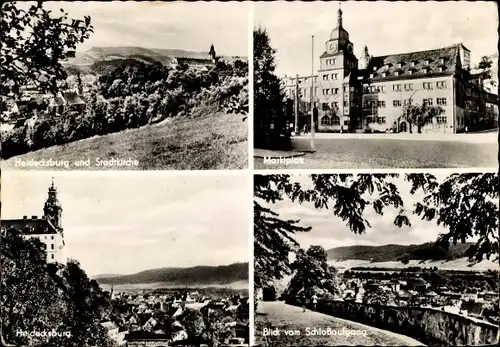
(124, 85)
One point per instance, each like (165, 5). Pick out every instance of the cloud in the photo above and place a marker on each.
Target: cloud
(127, 222)
(385, 27)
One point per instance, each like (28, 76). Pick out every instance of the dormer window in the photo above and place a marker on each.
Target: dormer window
(410, 72)
(398, 73)
(372, 75)
(426, 69)
(442, 68)
(441, 60)
(400, 65)
(388, 65)
(413, 63)
(427, 61)
(374, 68)
(385, 74)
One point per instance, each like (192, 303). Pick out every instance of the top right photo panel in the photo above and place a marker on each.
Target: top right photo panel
(368, 85)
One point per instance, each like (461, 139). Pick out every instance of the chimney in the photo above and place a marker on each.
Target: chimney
(25, 217)
(34, 217)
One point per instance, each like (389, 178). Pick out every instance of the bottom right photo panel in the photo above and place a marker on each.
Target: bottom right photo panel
(403, 259)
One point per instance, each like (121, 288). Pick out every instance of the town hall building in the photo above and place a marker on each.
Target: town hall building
(371, 94)
(48, 228)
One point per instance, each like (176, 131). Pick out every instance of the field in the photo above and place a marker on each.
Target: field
(214, 141)
(461, 264)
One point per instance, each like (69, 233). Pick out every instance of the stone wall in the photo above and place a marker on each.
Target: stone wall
(429, 326)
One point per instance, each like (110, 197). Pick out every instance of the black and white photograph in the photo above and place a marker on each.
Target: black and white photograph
(376, 259)
(124, 85)
(124, 259)
(358, 85)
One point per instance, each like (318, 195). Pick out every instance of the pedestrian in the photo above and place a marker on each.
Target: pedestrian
(466, 129)
(314, 300)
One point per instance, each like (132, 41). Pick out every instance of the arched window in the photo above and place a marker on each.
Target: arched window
(335, 120)
(325, 120)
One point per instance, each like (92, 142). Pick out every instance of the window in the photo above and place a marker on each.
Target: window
(52, 237)
(382, 89)
(346, 104)
(410, 72)
(325, 120)
(335, 76)
(51, 256)
(427, 85)
(385, 74)
(427, 61)
(396, 87)
(372, 75)
(335, 104)
(398, 73)
(336, 90)
(375, 68)
(412, 64)
(441, 84)
(441, 61)
(335, 120)
(409, 86)
(396, 103)
(442, 68)
(381, 104)
(325, 106)
(406, 102)
(441, 101)
(51, 246)
(381, 120)
(426, 69)
(399, 65)
(345, 89)
(326, 91)
(325, 77)
(441, 120)
(428, 102)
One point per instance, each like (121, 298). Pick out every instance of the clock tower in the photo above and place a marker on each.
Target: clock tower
(338, 49)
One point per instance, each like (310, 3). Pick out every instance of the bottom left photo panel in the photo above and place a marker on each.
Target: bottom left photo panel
(124, 259)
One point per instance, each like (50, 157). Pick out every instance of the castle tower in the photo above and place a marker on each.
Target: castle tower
(52, 209)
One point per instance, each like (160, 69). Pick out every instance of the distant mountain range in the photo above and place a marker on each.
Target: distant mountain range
(192, 276)
(425, 251)
(98, 59)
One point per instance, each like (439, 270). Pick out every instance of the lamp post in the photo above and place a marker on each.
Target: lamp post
(313, 149)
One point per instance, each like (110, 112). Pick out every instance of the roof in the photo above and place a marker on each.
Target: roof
(72, 98)
(389, 64)
(194, 61)
(57, 101)
(30, 226)
(109, 325)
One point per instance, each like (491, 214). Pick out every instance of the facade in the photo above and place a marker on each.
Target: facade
(197, 63)
(48, 229)
(373, 94)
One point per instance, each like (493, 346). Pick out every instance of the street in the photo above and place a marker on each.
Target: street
(282, 318)
(388, 151)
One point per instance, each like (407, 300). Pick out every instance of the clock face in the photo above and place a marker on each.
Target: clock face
(333, 47)
(349, 48)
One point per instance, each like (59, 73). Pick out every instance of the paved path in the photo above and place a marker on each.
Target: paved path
(286, 317)
(360, 152)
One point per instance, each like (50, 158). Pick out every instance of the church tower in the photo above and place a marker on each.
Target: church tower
(365, 58)
(212, 54)
(52, 209)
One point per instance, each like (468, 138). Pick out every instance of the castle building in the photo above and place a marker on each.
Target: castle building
(370, 94)
(48, 229)
(197, 63)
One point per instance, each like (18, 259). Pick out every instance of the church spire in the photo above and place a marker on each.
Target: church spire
(339, 17)
(52, 209)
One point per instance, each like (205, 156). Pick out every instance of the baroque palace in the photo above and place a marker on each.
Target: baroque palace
(47, 229)
(370, 93)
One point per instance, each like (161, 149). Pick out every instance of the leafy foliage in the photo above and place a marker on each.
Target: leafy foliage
(133, 96)
(379, 297)
(269, 115)
(466, 204)
(312, 274)
(37, 296)
(420, 115)
(34, 42)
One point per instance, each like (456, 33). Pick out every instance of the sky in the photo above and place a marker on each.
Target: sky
(329, 231)
(385, 27)
(122, 223)
(168, 25)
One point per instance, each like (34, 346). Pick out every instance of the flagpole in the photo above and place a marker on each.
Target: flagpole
(312, 96)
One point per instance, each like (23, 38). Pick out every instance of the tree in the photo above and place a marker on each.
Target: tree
(34, 42)
(269, 116)
(466, 204)
(485, 63)
(420, 115)
(378, 296)
(312, 274)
